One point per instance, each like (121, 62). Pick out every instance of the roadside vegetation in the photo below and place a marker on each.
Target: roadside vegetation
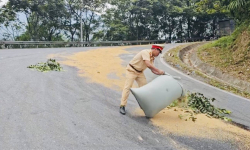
(230, 54)
(116, 20)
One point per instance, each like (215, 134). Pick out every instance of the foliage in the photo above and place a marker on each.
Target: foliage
(201, 104)
(50, 65)
(71, 23)
(236, 4)
(116, 20)
(240, 10)
(44, 18)
(11, 29)
(227, 42)
(223, 42)
(10, 25)
(196, 103)
(174, 103)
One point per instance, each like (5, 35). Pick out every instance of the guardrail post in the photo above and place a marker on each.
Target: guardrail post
(20, 46)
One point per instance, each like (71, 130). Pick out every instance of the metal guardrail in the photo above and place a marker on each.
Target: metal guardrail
(51, 44)
(44, 44)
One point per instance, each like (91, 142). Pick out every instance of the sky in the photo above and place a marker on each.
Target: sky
(3, 2)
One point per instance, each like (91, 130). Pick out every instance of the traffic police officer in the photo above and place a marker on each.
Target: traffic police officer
(134, 71)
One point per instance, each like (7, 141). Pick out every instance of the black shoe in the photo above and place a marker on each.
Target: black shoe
(122, 110)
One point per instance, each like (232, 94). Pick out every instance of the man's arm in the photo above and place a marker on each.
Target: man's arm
(153, 68)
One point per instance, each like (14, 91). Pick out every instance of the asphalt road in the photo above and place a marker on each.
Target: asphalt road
(60, 110)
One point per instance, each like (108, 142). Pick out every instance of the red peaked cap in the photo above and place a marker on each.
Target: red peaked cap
(158, 47)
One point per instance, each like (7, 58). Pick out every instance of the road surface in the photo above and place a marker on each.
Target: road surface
(60, 110)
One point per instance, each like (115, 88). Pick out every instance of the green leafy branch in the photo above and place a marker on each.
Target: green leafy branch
(201, 104)
(50, 65)
(196, 103)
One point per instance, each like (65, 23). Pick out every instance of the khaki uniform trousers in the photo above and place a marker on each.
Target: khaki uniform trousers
(131, 76)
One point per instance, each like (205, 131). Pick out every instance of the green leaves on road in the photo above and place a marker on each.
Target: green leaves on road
(50, 65)
(197, 103)
(201, 104)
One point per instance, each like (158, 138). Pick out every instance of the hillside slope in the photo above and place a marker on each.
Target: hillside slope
(230, 54)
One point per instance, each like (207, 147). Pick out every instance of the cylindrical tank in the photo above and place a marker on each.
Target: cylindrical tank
(158, 94)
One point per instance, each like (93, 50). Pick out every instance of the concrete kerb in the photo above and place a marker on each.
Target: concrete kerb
(210, 70)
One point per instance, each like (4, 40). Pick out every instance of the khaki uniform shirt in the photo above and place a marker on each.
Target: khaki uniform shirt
(138, 61)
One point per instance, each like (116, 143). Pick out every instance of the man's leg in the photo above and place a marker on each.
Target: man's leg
(141, 80)
(130, 78)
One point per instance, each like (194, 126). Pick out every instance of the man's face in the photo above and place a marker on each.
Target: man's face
(156, 52)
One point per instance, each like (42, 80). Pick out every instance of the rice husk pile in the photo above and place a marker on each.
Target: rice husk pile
(204, 127)
(98, 64)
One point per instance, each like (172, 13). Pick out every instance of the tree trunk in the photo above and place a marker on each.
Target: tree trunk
(72, 37)
(181, 28)
(214, 27)
(188, 27)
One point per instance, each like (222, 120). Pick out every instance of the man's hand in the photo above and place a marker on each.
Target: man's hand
(153, 68)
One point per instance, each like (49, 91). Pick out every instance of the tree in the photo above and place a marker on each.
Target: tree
(12, 29)
(123, 19)
(240, 10)
(72, 18)
(32, 12)
(115, 24)
(212, 11)
(10, 25)
(90, 16)
(237, 4)
(53, 13)
(130, 20)
(44, 17)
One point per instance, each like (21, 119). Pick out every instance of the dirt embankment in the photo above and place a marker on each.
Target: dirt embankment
(232, 59)
(189, 56)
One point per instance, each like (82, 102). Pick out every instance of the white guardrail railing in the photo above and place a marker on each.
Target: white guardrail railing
(48, 44)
